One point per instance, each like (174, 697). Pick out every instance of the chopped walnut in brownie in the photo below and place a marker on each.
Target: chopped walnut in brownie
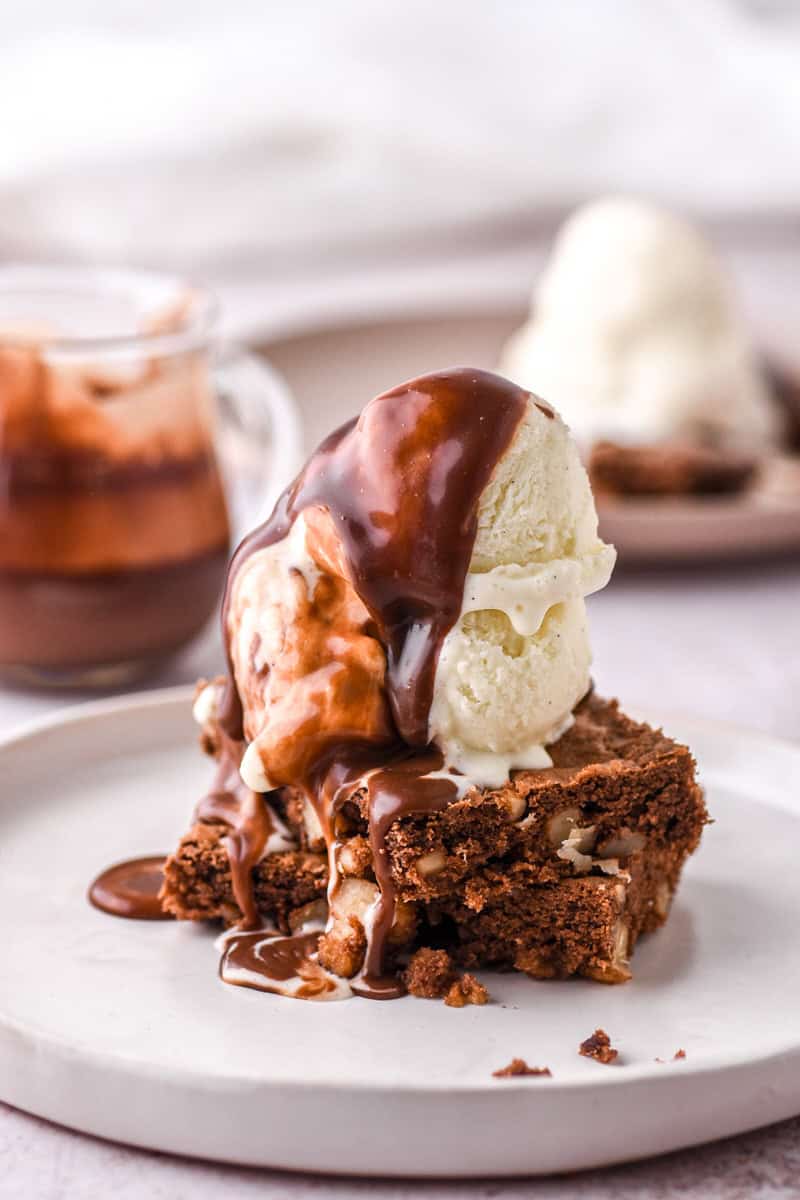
(342, 948)
(429, 973)
(598, 1047)
(518, 1066)
(466, 990)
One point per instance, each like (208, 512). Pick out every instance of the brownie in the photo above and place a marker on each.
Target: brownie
(671, 469)
(556, 873)
(784, 385)
(615, 786)
(584, 925)
(197, 880)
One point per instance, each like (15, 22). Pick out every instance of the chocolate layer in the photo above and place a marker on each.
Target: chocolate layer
(61, 620)
(74, 515)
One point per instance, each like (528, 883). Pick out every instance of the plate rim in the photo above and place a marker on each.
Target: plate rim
(67, 1081)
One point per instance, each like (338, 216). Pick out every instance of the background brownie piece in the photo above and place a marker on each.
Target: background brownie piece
(785, 386)
(668, 470)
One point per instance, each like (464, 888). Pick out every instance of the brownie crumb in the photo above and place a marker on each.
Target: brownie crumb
(518, 1066)
(429, 973)
(679, 1054)
(598, 1047)
(466, 990)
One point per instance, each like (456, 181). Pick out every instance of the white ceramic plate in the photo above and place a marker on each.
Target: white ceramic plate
(705, 529)
(122, 1029)
(346, 364)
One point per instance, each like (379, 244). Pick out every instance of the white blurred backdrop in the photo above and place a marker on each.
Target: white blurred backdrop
(292, 148)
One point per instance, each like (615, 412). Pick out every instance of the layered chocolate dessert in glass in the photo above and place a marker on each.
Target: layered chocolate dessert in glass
(114, 530)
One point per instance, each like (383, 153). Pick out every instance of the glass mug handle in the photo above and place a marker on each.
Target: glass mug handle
(260, 436)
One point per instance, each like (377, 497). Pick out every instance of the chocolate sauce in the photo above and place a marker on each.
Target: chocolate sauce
(61, 621)
(273, 963)
(378, 987)
(398, 790)
(105, 562)
(401, 485)
(231, 803)
(130, 889)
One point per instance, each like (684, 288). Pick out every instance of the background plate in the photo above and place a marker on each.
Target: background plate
(122, 1029)
(334, 370)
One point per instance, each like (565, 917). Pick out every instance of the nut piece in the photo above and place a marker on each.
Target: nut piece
(430, 864)
(598, 1047)
(615, 970)
(517, 806)
(663, 898)
(466, 990)
(560, 826)
(623, 846)
(343, 946)
(354, 857)
(404, 927)
(518, 1066)
(352, 898)
(577, 846)
(316, 838)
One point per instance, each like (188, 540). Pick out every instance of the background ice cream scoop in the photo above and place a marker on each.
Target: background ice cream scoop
(634, 335)
(308, 660)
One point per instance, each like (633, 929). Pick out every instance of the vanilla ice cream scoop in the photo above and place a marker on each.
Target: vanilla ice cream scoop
(515, 664)
(633, 335)
(422, 581)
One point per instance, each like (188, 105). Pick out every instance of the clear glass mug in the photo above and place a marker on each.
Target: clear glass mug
(134, 449)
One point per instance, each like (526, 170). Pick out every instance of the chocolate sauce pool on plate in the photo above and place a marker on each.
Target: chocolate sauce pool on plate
(130, 889)
(270, 962)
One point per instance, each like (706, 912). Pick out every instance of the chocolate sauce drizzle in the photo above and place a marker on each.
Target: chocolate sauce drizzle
(268, 962)
(230, 802)
(131, 889)
(401, 484)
